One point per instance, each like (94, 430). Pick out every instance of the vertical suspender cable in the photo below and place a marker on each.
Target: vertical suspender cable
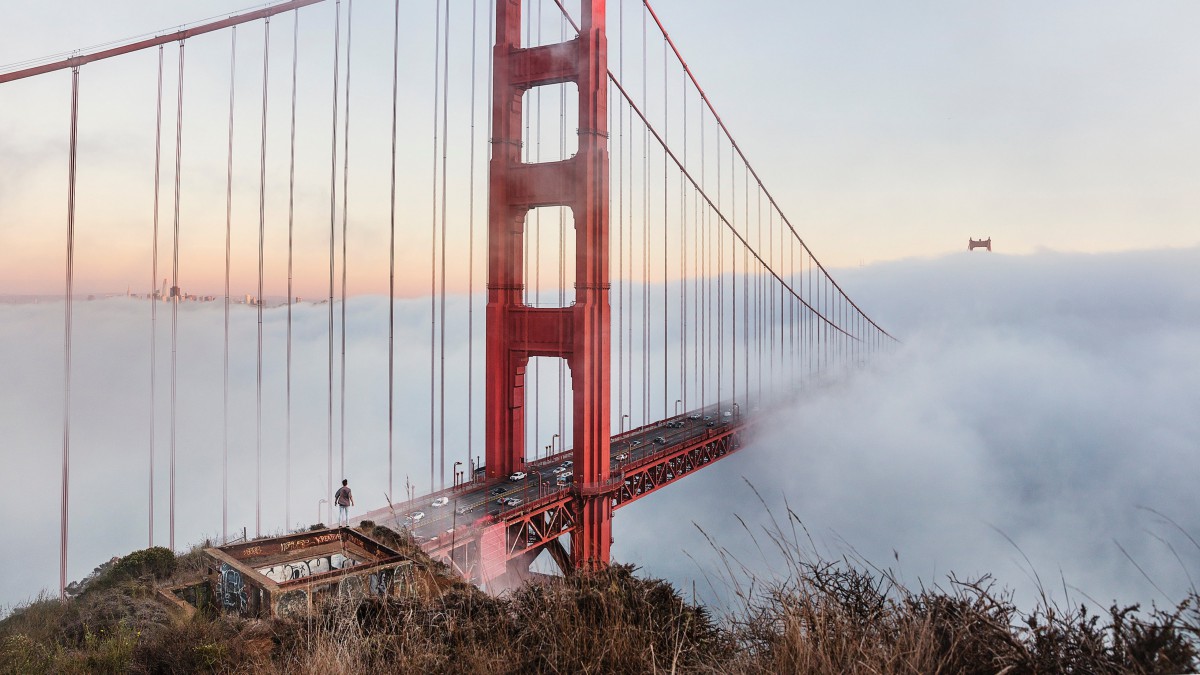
(262, 229)
(720, 282)
(337, 32)
(442, 291)
(621, 228)
(666, 128)
(287, 472)
(433, 246)
(562, 251)
(683, 261)
(225, 352)
(68, 309)
(345, 209)
(733, 317)
(442, 299)
(392, 254)
(154, 285)
(175, 284)
(536, 366)
(470, 245)
(645, 236)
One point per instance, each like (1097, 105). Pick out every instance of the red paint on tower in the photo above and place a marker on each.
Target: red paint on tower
(580, 333)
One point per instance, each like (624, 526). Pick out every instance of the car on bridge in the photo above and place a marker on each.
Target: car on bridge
(519, 475)
(513, 501)
(498, 490)
(463, 510)
(660, 440)
(694, 416)
(560, 470)
(621, 457)
(563, 479)
(416, 516)
(635, 443)
(440, 501)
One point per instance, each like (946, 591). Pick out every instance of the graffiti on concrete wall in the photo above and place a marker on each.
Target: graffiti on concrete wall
(298, 569)
(231, 589)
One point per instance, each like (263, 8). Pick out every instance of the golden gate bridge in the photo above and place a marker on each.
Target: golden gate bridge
(620, 243)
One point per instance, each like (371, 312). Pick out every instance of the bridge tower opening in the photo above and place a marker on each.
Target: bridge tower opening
(578, 333)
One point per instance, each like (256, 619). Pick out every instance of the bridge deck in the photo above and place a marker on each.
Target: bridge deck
(643, 461)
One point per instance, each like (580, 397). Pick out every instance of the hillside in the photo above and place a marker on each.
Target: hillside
(825, 617)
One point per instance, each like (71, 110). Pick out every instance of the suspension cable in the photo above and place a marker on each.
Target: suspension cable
(228, 236)
(470, 247)
(666, 307)
(742, 155)
(712, 206)
(287, 478)
(175, 284)
(153, 286)
(337, 32)
(262, 225)
(392, 256)
(345, 211)
(67, 333)
(737, 149)
(442, 300)
(433, 245)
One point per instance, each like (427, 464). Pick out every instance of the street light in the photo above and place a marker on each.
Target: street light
(455, 471)
(553, 438)
(319, 503)
(678, 402)
(623, 418)
(737, 410)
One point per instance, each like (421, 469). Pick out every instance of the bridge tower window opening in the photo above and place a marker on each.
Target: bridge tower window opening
(548, 120)
(548, 427)
(550, 257)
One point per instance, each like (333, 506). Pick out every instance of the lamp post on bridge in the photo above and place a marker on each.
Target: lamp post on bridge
(678, 402)
(737, 410)
(623, 418)
(456, 472)
(553, 438)
(319, 503)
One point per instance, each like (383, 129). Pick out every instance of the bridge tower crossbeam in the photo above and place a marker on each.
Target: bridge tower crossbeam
(578, 334)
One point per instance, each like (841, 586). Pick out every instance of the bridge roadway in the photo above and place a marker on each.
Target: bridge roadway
(643, 460)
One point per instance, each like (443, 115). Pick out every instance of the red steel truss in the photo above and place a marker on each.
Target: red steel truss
(542, 521)
(579, 333)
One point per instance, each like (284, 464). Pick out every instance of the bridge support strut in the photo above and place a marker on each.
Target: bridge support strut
(579, 333)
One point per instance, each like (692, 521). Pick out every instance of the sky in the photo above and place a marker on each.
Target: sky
(883, 131)
(1038, 407)
(1039, 391)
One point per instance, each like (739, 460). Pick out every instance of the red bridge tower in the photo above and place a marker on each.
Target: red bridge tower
(579, 333)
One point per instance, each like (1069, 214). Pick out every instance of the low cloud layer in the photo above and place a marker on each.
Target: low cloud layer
(1048, 400)
(1041, 399)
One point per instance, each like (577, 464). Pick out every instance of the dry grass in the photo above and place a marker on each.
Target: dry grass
(816, 616)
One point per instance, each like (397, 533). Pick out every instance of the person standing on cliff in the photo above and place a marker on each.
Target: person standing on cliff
(344, 499)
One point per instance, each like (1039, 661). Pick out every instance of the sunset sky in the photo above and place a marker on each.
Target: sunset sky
(885, 131)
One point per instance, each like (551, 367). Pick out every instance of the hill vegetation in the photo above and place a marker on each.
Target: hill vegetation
(823, 617)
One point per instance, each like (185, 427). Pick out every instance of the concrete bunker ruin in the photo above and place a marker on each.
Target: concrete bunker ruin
(293, 574)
